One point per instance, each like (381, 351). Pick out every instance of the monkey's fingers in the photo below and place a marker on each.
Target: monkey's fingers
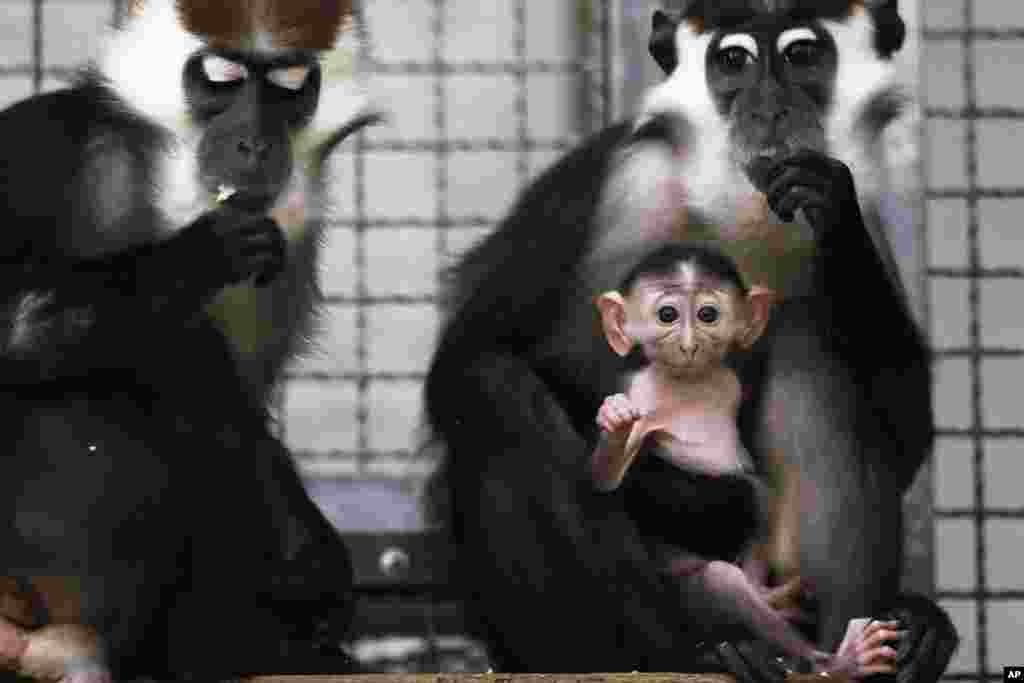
(605, 424)
(881, 656)
(875, 625)
(800, 197)
(877, 669)
(882, 636)
(790, 179)
(618, 411)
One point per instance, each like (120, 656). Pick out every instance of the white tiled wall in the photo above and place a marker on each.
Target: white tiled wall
(480, 95)
(407, 204)
(972, 68)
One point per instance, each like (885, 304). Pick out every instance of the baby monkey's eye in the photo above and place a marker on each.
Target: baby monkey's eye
(668, 314)
(707, 314)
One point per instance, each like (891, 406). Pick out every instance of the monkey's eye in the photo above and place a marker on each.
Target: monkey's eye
(733, 60)
(804, 53)
(290, 78)
(220, 70)
(708, 314)
(668, 314)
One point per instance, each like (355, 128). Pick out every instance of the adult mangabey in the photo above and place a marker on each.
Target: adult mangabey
(161, 225)
(681, 313)
(799, 95)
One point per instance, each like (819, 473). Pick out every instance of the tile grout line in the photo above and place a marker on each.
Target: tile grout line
(522, 97)
(362, 413)
(37, 46)
(441, 221)
(974, 335)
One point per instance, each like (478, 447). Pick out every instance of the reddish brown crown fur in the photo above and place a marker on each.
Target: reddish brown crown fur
(289, 24)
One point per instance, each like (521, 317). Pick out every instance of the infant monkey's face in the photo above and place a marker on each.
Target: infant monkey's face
(686, 321)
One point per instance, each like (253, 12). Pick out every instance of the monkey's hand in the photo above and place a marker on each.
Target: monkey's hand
(820, 185)
(616, 418)
(867, 648)
(611, 458)
(224, 246)
(248, 245)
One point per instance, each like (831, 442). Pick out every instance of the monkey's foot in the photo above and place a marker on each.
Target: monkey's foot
(89, 674)
(866, 649)
(68, 653)
(923, 654)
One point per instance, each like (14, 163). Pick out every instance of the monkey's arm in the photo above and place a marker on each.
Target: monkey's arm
(869, 303)
(71, 319)
(869, 317)
(86, 283)
(618, 443)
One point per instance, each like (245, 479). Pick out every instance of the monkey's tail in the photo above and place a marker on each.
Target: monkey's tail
(337, 137)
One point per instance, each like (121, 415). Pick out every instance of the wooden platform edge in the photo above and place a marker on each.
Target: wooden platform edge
(501, 678)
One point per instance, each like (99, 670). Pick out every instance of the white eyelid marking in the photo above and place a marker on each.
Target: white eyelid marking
(290, 78)
(744, 40)
(220, 70)
(794, 35)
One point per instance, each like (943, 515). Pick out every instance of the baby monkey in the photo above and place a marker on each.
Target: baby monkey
(685, 308)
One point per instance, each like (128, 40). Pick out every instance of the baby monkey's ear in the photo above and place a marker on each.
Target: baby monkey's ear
(759, 305)
(612, 307)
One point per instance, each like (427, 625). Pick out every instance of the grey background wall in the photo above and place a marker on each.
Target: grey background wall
(484, 93)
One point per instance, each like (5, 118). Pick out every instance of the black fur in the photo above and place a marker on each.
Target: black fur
(733, 14)
(136, 462)
(562, 579)
(665, 259)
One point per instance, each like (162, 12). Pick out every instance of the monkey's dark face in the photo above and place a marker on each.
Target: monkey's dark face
(249, 108)
(247, 91)
(771, 79)
(766, 77)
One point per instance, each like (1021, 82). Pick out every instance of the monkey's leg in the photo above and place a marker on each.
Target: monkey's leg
(88, 499)
(813, 413)
(728, 582)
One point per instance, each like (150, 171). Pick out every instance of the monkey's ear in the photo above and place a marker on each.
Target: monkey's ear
(760, 300)
(890, 31)
(613, 318)
(134, 7)
(662, 44)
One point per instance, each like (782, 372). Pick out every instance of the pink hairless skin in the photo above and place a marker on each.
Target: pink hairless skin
(685, 401)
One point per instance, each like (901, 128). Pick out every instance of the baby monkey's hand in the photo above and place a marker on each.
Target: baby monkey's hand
(617, 416)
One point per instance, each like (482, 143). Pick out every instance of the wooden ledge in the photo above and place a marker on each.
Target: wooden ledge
(501, 678)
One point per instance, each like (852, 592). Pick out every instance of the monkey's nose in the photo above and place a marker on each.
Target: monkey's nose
(253, 149)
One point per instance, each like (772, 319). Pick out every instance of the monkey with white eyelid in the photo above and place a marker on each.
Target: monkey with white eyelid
(687, 308)
(119, 266)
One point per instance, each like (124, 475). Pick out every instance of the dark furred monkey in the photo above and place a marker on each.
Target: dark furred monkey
(799, 96)
(161, 224)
